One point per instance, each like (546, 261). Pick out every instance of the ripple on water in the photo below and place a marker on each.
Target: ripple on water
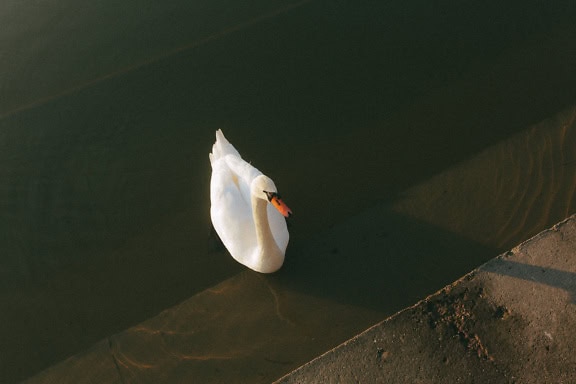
(517, 187)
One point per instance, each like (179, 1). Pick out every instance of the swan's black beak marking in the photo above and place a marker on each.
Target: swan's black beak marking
(271, 195)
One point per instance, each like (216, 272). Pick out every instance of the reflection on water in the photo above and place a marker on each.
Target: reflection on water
(408, 158)
(232, 330)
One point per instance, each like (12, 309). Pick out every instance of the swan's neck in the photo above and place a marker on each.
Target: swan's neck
(268, 255)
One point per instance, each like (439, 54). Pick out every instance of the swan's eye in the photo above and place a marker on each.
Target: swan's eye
(271, 195)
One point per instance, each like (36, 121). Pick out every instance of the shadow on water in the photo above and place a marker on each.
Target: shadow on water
(105, 189)
(380, 260)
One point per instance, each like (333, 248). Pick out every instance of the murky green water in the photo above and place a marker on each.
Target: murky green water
(412, 145)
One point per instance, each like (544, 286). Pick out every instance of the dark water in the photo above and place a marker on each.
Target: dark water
(412, 141)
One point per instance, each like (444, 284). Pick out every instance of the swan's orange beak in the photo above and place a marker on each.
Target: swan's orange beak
(277, 202)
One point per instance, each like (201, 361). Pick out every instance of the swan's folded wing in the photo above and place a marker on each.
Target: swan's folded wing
(231, 214)
(243, 170)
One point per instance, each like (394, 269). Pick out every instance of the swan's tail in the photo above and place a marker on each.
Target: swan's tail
(221, 148)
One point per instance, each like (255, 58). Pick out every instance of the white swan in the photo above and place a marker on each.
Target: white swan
(253, 231)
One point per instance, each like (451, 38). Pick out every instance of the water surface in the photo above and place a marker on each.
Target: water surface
(411, 149)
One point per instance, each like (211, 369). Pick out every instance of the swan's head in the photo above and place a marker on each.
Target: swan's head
(264, 188)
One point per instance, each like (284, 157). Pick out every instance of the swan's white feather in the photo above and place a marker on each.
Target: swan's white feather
(231, 205)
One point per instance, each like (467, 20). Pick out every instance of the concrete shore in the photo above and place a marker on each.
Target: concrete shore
(509, 321)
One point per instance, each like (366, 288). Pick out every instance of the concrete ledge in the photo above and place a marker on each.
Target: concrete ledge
(509, 321)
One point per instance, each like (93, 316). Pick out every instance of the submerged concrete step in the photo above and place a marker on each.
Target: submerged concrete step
(508, 321)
